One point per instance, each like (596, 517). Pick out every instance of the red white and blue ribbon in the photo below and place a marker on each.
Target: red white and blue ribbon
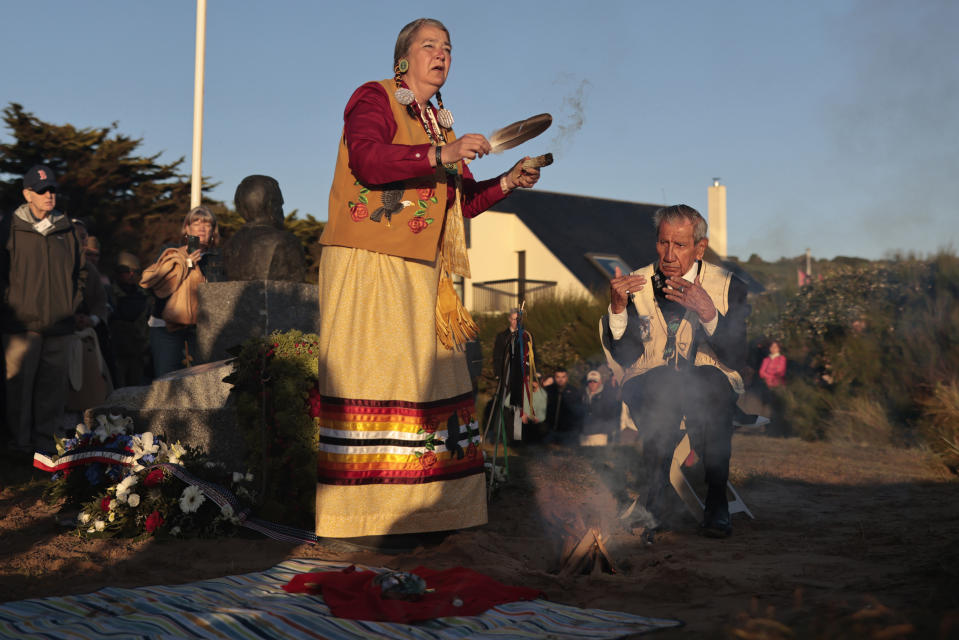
(82, 458)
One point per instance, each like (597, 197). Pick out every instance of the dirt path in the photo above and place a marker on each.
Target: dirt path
(847, 541)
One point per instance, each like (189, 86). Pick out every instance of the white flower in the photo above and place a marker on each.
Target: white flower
(175, 531)
(237, 477)
(191, 499)
(112, 425)
(82, 429)
(99, 525)
(176, 451)
(120, 422)
(144, 444)
(123, 489)
(84, 518)
(249, 477)
(134, 500)
(112, 505)
(227, 511)
(101, 432)
(117, 430)
(209, 464)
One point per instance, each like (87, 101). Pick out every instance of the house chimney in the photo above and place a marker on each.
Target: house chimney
(717, 217)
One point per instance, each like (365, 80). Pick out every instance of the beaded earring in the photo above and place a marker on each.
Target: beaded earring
(403, 93)
(443, 116)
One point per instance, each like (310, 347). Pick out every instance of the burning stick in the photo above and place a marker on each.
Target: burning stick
(589, 554)
(539, 161)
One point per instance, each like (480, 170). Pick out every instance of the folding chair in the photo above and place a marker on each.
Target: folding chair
(685, 490)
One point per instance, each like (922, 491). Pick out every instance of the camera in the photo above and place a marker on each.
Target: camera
(659, 284)
(192, 243)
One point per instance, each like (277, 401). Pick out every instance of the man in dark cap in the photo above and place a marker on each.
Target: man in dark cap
(41, 284)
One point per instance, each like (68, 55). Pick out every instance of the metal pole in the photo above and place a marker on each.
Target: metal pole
(197, 178)
(521, 278)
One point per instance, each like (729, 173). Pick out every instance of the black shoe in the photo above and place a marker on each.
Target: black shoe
(716, 528)
(716, 521)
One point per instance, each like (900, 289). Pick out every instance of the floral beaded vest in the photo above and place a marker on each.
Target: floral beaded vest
(404, 218)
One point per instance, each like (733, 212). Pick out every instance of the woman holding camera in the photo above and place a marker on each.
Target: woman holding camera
(174, 279)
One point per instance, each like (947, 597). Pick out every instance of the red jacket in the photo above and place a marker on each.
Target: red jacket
(773, 371)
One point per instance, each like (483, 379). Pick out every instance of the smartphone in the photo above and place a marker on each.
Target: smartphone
(192, 243)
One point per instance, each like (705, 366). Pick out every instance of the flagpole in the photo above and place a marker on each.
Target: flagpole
(196, 183)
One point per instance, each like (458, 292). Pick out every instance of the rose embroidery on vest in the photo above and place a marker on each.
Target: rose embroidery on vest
(425, 197)
(358, 210)
(418, 223)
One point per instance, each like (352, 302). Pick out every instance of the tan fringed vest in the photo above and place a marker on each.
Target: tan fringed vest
(401, 218)
(715, 280)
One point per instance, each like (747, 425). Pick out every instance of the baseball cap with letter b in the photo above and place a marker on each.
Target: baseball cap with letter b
(39, 177)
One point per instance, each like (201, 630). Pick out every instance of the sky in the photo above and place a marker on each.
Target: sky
(833, 124)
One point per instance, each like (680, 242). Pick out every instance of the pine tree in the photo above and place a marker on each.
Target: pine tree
(308, 230)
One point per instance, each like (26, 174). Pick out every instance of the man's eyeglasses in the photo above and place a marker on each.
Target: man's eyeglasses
(45, 190)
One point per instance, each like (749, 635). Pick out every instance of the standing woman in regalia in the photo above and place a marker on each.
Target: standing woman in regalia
(399, 448)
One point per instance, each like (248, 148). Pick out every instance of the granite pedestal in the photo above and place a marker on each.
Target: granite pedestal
(231, 312)
(191, 405)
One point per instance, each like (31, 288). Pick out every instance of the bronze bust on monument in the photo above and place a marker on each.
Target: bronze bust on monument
(262, 249)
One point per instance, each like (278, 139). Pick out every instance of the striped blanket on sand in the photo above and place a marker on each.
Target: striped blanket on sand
(255, 606)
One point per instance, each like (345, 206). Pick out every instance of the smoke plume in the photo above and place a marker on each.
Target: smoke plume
(572, 115)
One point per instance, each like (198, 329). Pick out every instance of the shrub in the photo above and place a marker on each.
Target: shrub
(860, 420)
(940, 423)
(804, 407)
(274, 381)
(866, 343)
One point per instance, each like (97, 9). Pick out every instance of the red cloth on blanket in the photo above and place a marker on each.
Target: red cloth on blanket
(351, 594)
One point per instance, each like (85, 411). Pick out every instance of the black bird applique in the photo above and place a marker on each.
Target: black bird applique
(391, 204)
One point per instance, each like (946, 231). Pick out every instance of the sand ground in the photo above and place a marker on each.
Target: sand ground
(849, 541)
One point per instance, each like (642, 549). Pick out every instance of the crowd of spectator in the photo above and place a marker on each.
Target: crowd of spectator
(589, 412)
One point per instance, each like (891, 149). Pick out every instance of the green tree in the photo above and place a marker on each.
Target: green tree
(308, 231)
(134, 203)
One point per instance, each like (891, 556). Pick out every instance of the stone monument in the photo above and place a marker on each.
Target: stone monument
(265, 292)
(264, 267)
